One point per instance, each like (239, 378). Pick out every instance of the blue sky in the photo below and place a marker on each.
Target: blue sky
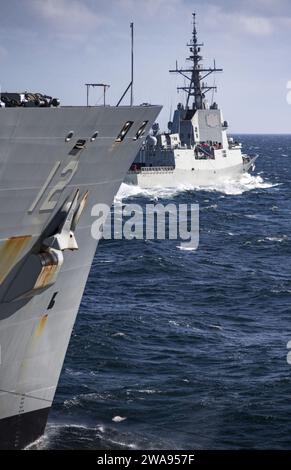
(55, 46)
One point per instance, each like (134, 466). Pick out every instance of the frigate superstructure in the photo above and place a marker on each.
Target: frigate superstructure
(196, 150)
(56, 163)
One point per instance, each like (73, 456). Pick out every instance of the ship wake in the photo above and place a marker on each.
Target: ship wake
(65, 436)
(238, 186)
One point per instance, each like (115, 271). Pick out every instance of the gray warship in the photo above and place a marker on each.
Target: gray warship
(196, 150)
(56, 162)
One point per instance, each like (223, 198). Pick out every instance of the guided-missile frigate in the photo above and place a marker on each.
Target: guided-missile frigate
(196, 150)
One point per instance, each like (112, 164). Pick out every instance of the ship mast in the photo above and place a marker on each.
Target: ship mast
(196, 73)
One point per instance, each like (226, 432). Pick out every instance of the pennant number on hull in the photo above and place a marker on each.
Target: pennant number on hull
(40, 268)
(66, 174)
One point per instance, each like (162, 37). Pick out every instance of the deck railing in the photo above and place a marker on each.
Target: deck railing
(149, 169)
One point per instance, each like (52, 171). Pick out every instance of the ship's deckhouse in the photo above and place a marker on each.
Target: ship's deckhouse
(203, 125)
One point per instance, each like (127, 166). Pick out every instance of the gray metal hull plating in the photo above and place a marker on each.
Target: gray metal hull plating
(34, 159)
(152, 177)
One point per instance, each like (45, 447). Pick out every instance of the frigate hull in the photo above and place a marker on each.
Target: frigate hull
(54, 168)
(200, 176)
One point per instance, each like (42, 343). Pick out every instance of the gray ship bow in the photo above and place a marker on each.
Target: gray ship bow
(56, 163)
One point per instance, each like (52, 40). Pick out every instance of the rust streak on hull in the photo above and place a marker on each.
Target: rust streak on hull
(10, 251)
(46, 276)
(40, 326)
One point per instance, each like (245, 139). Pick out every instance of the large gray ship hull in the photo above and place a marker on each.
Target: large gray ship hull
(45, 176)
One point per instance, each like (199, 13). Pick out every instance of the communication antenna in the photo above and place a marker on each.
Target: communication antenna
(195, 74)
(214, 89)
(130, 86)
(132, 62)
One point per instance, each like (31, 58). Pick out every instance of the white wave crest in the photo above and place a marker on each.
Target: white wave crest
(127, 190)
(118, 419)
(244, 183)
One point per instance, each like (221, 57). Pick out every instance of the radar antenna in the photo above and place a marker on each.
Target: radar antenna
(196, 73)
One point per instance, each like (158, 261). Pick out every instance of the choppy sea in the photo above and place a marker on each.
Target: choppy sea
(177, 349)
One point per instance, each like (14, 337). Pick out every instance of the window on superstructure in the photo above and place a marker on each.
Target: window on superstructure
(94, 136)
(69, 136)
(121, 136)
(141, 130)
(80, 145)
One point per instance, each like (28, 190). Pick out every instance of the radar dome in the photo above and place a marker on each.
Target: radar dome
(156, 128)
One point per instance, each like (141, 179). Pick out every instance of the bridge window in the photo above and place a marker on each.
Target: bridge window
(69, 136)
(94, 136)
(141, 130)
(80, 145)
(121, 136)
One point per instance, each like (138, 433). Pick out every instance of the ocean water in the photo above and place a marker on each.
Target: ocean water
(181, 349)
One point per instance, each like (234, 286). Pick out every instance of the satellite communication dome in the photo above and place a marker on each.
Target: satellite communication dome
(156, 128)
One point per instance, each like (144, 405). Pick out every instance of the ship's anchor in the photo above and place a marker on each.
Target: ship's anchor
(40, 270)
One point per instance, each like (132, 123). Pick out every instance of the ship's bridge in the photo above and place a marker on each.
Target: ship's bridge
(196, 126)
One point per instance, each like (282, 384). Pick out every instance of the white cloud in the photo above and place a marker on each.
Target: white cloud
(256, 25)
(273, 6)
(239, 22)
(151, 7)
(261, 8)
(3, 52)
(67, 15)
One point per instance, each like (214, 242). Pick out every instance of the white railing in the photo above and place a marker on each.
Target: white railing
(148, 169)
